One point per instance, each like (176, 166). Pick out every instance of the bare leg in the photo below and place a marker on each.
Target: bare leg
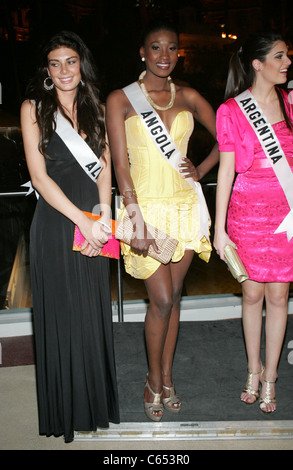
(252, 306)
(162, 320)
(178, 273)
(276, 295)
(159, 288)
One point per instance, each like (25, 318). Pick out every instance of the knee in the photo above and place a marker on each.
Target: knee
(176, 297)
(253, 296)
(277, 299)
(161, 306)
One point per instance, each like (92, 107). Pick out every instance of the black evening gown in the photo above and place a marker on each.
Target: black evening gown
(75, 363)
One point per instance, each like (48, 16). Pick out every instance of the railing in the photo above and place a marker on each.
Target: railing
(14, 270)
(16, 212)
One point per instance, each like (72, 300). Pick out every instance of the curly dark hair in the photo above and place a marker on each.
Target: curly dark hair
(90, 114)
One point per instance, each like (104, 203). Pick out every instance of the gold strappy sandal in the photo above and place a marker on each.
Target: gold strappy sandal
(154, 407)
(249, 390)
(263, 402)
(171, 400)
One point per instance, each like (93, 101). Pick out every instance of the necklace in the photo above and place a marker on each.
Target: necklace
(156, 106)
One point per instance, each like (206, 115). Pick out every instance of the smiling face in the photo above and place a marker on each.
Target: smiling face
(64, 69)
(274, 68)
(160, 52)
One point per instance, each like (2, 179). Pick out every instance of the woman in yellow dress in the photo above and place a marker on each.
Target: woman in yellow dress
(162, 197)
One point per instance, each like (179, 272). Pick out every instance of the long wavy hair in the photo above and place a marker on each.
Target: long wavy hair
(241, 74)
(90, 115)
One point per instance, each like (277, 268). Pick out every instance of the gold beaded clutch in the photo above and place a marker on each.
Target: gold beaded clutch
(166, 244)
(235, 265)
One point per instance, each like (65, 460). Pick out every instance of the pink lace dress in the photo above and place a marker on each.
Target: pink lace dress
(257, 207)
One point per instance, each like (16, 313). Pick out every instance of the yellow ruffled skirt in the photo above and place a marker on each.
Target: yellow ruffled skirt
(177, 219)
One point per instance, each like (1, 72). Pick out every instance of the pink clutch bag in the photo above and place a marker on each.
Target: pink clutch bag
(111, 249)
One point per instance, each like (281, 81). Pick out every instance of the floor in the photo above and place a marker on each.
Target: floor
(19, 431)
(18, 410)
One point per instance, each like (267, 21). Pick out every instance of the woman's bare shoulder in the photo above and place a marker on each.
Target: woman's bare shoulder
(189, 93)
(28, 109)
(117, 96)
(118, 102)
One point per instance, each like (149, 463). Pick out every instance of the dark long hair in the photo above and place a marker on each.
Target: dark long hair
(90, 115)
(241, 74)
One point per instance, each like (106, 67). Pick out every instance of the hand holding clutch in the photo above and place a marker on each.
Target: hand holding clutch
(166, 244)
(235, 264)
(111, 249)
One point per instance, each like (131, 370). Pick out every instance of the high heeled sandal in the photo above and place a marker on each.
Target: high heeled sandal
(154, 407)
(267, 400)
(171, 400)
(249, 390)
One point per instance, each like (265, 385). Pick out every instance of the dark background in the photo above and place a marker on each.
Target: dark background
(112, 28)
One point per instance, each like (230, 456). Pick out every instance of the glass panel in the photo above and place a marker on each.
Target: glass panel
(16, 213)
(17, 210)
(202, 278)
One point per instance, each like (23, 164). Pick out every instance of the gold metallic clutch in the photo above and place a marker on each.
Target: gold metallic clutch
(166, 244)
(235, 264)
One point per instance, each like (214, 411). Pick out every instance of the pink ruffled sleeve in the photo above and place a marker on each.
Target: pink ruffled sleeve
(288, 100)
(225, 134)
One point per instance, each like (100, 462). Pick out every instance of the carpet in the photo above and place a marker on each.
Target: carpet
(209, 371)
(17, 351)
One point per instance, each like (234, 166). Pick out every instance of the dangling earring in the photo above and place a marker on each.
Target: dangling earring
(82, 83)
(46, 86)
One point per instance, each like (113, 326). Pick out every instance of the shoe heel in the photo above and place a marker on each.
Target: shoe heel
(154, 406)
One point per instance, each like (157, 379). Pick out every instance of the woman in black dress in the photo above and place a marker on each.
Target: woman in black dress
(76, 378)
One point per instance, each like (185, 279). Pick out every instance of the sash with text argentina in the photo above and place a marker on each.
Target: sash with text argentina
(273, 151)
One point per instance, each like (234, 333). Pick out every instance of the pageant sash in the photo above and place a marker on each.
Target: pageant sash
(30, 189)
(273, 151)
(79, 149)
(167, 148)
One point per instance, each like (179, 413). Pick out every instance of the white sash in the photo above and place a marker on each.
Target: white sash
(167, 148)
(273, 151)
(79, 149)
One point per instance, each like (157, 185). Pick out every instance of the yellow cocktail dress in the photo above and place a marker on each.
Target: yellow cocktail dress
(166, 200)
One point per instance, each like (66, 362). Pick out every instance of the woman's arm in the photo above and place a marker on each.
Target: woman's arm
(104, 184)
(204, 113)
(226, 176)
(117, 110)
(44, 185)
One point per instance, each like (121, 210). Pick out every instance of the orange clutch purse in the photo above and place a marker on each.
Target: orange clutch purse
(111, 249)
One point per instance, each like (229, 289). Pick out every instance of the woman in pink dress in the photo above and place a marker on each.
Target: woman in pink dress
(258, 204)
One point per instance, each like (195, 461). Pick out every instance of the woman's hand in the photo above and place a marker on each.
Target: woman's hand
(188, 170)
(96, 235)
(142, 240)
(220, 241)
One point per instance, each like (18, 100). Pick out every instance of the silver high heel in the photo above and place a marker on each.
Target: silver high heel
(152, 409)
(171, 400)
(249, 390)
(268, 399)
